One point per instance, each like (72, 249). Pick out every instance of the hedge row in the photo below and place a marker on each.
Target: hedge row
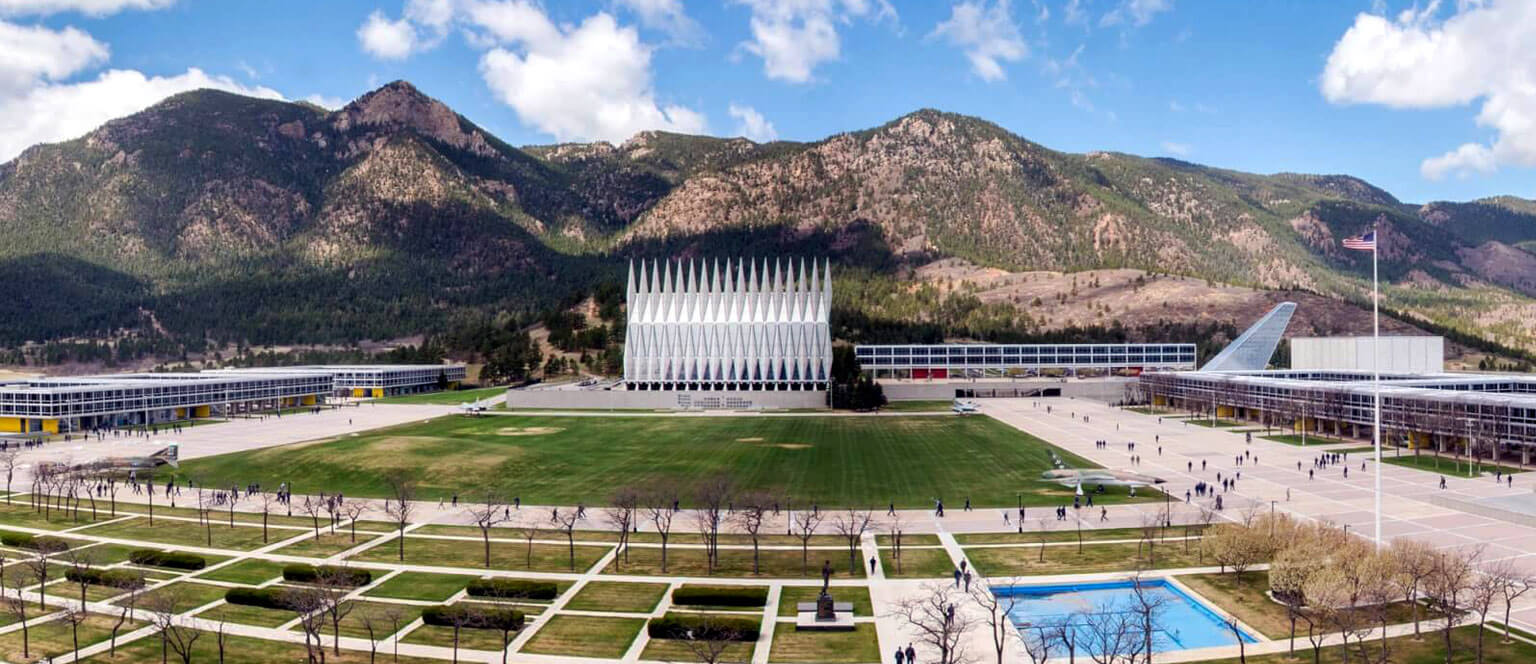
(707, 628)
(512, 589)
(720, 596)
(266, 598)
(113, 578)
(43, 543)
(171, 559)
(300, 573)
(489, 617)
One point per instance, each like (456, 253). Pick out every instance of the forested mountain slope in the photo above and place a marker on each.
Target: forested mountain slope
(217, 217)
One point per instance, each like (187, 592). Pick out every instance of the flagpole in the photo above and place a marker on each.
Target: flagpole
(1376, 371)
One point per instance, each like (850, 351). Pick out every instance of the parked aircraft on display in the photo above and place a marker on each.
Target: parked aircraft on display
(1074, 477)
(962, 406)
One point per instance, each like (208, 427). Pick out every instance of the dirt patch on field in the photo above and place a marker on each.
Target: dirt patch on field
(528, 431)
(401, 443)
(784, 446)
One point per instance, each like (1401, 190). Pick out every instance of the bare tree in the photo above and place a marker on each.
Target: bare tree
(1237, 635)
(220, 637)
(487, 512)
(1151, 523)
(1512, 584)
(711, 642)
(659, 508)
(566, 523)
(308, 604)
(80, 561)
(1147, 608)
(165, 606)
(933, 616)
(395, 615)
(998, 608)
(354, 512)
(266, 501)
(1037, 641)
(528, 526)
(620, 513)
(1043, 532)
(400, 504)
(40, 564)
(8, 460)
(750, 518)
(1483, 593)
(74, 616)
(1447, 585)
(806, 523)
(334, 583)
(314, 506)
(126, 605)
(1416, 561)
(1112, 633)
(851, 525)
(712, 495)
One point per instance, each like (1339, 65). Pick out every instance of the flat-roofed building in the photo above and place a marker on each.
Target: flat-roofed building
(58, 405)
(378, 380)
(966, 361)
(1398, 354)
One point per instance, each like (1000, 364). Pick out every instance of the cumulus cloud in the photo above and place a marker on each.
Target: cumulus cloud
(421, 27)
(1416, 60)
(326, 102)
(54, 112)
(1171, 147)
(793, 37)
(35, 53)
(88, 7)
(987, 34)
(591, 81)
(752, 125)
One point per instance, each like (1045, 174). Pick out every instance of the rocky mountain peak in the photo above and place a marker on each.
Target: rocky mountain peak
(400, 106)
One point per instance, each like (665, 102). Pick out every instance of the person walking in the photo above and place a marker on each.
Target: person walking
(901, 655)
(911, 655)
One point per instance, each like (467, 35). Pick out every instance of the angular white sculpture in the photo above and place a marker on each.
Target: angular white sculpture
(697, 326)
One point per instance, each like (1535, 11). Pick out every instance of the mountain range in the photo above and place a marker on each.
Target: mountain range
(216, 216)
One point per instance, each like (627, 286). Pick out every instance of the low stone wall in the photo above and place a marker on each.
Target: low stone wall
(680, 400)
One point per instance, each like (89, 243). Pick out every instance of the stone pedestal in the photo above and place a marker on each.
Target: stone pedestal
(825, 608)
(824, 615)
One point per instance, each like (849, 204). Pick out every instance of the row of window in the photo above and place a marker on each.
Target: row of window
(989, 350)
(1028, 360)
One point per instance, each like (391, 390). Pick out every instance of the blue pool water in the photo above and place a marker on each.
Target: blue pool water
(1184, 623)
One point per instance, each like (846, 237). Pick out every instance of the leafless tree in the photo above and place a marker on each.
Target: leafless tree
(1037, 641)
(400, 505)
(896, 525)
(266, 501)
(395, 615)
(16, 607)
(1416, 561)
(1447, 586)
(712, 642)
(233, 499)
(1111, 632)
(1151, 523)
(220, 637)
(8, 460)
(712, 495)
(74, 616)
(354, 512)
(851, 525)
(314, 506)
(1512, 584)
(487, 512)
(308, 603)
(80, 561)
(165, 606)
(998, 609)
(1043, 533)
(933, 615)
(40, 564)
(750, 516)
(659, 502)
(1483, 594)
(334, 583)
(126, 605)
(566, 523)
(459, 617)
(528, 526)
(806, 522)
(1147, 608)
(620, 513)
(1237, 635)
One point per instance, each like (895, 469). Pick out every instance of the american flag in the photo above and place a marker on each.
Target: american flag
(1363, 242)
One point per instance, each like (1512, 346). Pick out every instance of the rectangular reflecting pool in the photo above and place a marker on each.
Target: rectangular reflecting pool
(1182, 624)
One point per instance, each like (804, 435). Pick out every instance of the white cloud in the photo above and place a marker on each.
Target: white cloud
(1416, 61)
(1073, 13)
(667, 16)
(1138, 12)
(1175, 106)
(793, 37)
(88, 7)
(56, 112)
(1180, 149)
(326, 102)
(753, 125)
(388, 39)
(988, 35)
(36, 53)
(591, 81)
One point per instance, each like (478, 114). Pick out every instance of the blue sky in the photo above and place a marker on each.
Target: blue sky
(1257, 86)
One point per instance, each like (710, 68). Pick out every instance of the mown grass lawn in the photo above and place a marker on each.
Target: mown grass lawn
(504, 556)
(617, 596)
(1446, 464)
(585, 636)
(789, 596)
(857, 646)
(1025, 560)
(835, 461)
(448, 398)
(422, 586)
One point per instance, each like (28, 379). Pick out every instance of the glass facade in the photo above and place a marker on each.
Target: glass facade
(1023, 357)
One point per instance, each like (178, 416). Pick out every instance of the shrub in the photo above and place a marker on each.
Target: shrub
(115, 578)
(266, 598)
(678, 625)
(720, 596)
(34, 542)
(347, 576)
(171, 559)
(512, 589)
(473, 617)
